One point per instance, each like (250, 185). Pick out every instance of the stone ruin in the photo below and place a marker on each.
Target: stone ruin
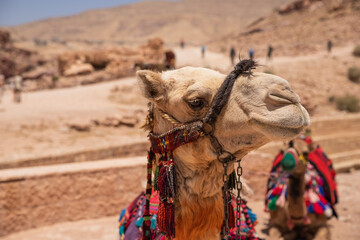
(76, 67)
(114, 63)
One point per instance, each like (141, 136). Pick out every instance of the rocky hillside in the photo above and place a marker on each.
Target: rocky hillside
(298, 28)
(197, 21)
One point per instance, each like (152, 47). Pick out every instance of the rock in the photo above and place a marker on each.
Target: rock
(98, 59)
(4, 39)
(37, 73)
(81, 127)
(155, 43)
(8, 67)
(15, 61)
(78, 69)
(153, 51)
(116, 121)
(296, 6)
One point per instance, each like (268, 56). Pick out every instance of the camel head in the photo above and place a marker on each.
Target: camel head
(294, 163)
(261, 108)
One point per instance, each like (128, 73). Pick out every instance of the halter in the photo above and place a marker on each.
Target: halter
(184, 133)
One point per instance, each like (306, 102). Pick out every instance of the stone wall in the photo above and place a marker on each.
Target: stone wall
(38, 196)
(119, 151)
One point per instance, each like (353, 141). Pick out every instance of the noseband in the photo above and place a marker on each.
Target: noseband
(165, 143)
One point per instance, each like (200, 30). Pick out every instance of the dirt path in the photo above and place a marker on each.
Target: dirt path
(346, 227)
(89, 101)
(192, 56)
(38, 126)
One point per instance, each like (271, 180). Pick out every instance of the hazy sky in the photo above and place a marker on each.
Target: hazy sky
(13, 12)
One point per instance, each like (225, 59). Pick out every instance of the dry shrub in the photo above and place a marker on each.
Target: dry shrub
(348, 103)
(356, 51)
(354, 74)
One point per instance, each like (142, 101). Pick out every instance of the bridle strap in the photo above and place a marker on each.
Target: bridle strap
(222, 96)
(220, 100)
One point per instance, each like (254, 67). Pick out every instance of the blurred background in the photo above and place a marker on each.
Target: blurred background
(72, 154)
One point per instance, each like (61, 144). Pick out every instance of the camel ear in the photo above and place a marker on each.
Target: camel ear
(151, 85)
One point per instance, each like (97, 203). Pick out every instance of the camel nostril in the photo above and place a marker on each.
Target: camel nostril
(283, 95)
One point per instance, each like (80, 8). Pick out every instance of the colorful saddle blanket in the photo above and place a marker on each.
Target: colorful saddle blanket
(321, 190)
(131, 220)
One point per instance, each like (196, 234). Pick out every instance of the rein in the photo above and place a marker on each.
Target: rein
(183, 133)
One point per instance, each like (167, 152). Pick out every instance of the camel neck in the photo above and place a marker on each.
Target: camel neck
(199, 206)
(296, 191)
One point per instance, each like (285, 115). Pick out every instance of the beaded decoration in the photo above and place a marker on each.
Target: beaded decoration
(164, 177)
(131, 220)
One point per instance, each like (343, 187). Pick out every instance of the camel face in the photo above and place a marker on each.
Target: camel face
(261, 108)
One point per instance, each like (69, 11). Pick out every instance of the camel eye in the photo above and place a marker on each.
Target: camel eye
(196, 104)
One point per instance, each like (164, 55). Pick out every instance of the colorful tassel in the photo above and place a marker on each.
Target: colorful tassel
(231, 216)
(170, 220)
(139, 222)
(156, 177)
(153, 222)
(318, 209)
(122, 230)
(147, 216)
(161, 184)
(272, 203)
(161, 216)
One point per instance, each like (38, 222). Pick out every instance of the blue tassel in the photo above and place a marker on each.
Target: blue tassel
(122, 214)
(139, 222)
(311, 208)
(252, 216)
(321, 205)
(321, 190)
(153, 222)
(122, 230)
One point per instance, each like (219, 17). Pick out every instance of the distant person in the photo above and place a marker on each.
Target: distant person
(203, 49)
(329, 46)
(182, 43)
(232, 55)
(251, 53)
(269, 52)
(2, 86)
(17, 83)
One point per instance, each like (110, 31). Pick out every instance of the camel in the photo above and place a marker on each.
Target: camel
(261, 108)
(289, 216)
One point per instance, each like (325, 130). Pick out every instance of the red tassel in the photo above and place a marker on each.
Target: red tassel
(170, 220)
(161, 216)
(231, 216)
(162, 183)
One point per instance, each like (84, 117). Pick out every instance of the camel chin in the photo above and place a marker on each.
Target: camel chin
(286, 124)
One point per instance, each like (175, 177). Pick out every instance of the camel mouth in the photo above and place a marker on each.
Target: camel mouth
(269, 125)
(277, 131)
(291, 116)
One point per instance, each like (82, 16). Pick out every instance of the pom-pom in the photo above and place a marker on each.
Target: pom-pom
(272, 204)
(139, 222)
(153, 222)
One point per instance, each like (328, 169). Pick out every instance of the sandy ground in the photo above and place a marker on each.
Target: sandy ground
(38, 126)
(346, 227)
